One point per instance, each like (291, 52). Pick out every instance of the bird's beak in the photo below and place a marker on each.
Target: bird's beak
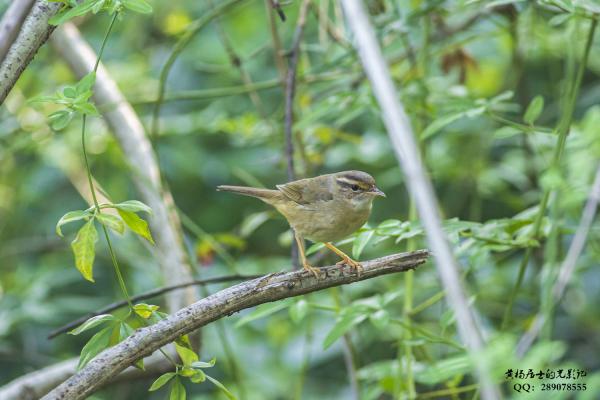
(377, 192)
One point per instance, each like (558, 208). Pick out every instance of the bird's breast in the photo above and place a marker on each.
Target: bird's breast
(327, 221)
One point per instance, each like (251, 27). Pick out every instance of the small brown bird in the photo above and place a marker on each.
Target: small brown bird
(324, 209)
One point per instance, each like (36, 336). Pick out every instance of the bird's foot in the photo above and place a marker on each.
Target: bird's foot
(352, 263)
(312, 270)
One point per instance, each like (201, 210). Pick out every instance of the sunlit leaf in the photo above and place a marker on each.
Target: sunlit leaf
(133, 206)
(92, 322)
(95, 345)
(177, 390)
(222, 387)
(161, 381)
(111, 221)
(204, 364)
(70, 217)
(145, 310)
(136, 224)
(84, 249)
(188, 356)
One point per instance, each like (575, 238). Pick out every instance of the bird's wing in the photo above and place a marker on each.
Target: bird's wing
(306, 191)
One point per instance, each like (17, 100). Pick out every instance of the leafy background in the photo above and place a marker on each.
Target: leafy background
(472, 76)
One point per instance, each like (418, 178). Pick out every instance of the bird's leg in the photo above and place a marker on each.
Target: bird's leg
(303, 260)
(345, 258)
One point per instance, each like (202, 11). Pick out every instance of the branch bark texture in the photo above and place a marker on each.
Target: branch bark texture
(11, 23)
(137, 149)
(34, 33)
(419, 185)
(272, 287)
(36, 384)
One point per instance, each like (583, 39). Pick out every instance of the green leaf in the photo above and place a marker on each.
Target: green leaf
(95, 345)
(161, 381)
(222, 387)
(84, 249)
(136, 224)
(133, 206)
(198, 376)
(204, 364)
(145, 310)
(534, 110)
(253, 221)
(139, 6)
(188, 356)
(71, 216)
(506, 132)
(262, 311)
(298, 310)
(69, 13)
(380, 319)
(439, 124)
(60, 119)
(314, 248)
(86, 83)
(92, 322)
(360, 242)
(177, 390)
(343, 325)
(444, 370)
(86, 108)
(111, 222)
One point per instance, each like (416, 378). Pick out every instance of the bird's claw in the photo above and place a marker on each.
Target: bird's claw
(352, 264)
(312, 270)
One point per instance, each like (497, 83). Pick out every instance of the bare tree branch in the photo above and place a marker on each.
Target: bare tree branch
(11, 23)
(248, 294)
(149, 294)
(34, 33)
(129, 132)
(407, 153)
(36, 384)
(568, 266)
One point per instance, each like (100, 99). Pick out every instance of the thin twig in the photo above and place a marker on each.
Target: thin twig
(277, 52)
(562, 131)
(146, 295)
(290, 91)
(568, 266)
(236, 61)
(191, 31)
(272, 287)
(419, 185)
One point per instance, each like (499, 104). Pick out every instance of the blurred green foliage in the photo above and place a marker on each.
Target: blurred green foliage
(485, 85)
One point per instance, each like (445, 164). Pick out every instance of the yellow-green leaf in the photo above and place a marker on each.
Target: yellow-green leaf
(111, 221)
(84, 249)
(136, 224)
(164, 378)
(145, 310)
(188, 356)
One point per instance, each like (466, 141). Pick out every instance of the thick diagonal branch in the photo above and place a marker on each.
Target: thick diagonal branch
(33, 34)
(273, 287)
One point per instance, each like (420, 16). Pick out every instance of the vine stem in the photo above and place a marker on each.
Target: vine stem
(89, 172)
(562, 130)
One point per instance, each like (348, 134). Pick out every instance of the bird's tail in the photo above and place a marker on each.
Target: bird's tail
(263, 194)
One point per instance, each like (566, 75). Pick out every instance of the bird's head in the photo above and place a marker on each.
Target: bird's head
(357, 186)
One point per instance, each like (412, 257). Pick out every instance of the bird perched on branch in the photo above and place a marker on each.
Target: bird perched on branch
(323, 209)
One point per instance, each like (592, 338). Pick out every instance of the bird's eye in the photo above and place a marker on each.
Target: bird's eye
(355, 188)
